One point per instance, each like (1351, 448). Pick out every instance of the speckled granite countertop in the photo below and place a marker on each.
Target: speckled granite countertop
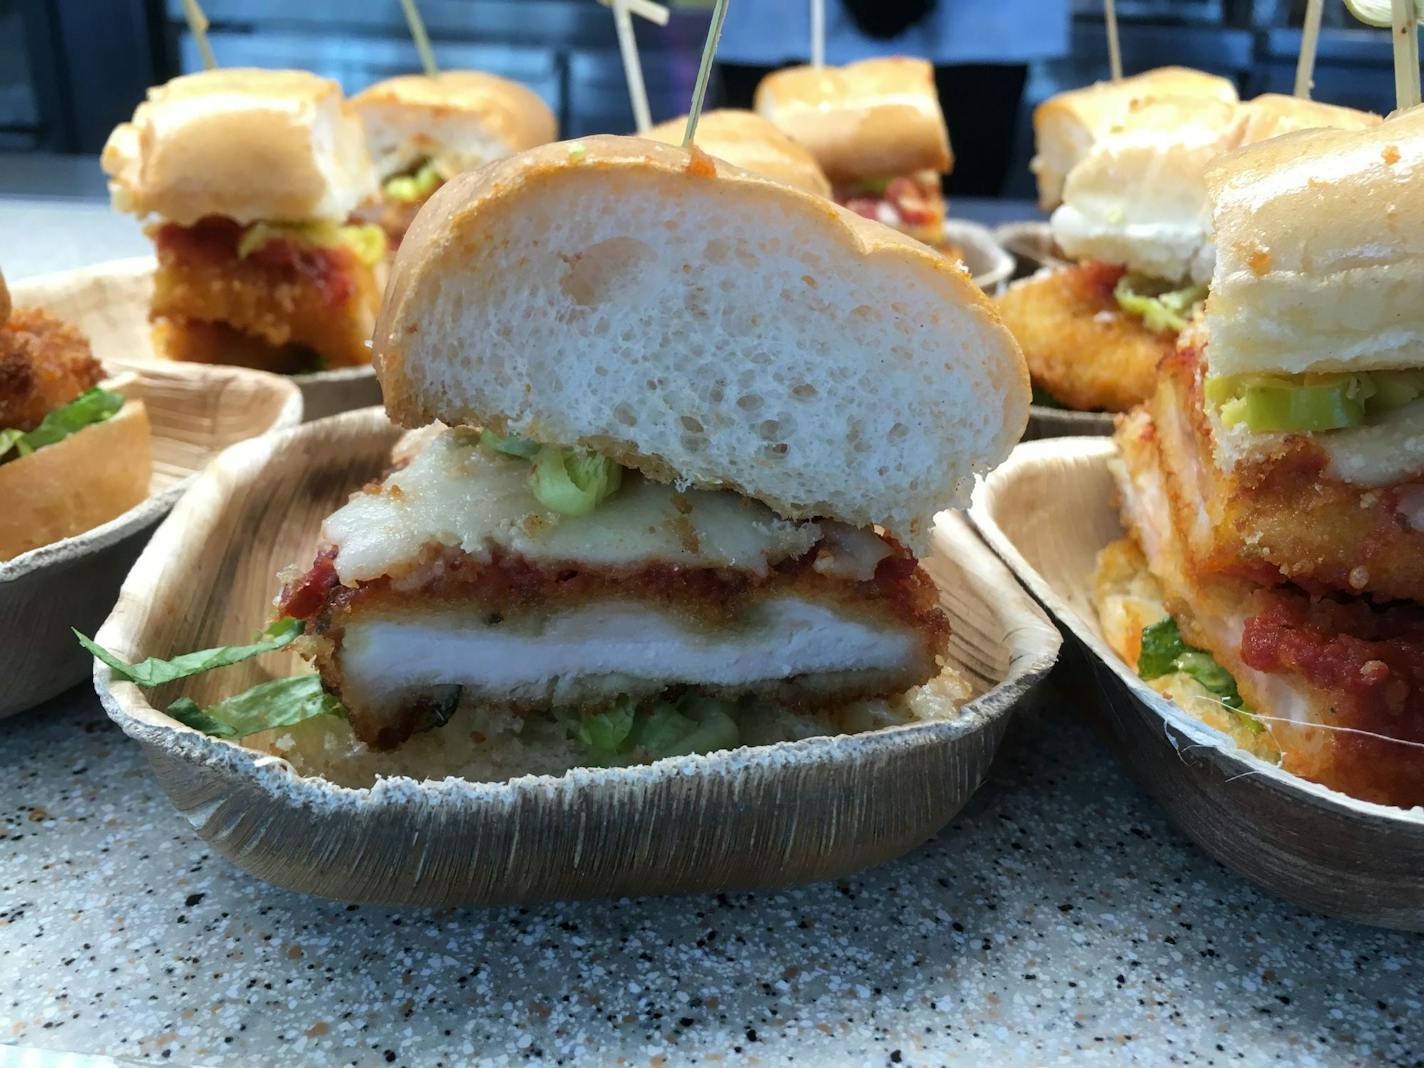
(1059, 918)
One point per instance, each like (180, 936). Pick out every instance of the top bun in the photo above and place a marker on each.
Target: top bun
(1139, 196)
(271, 145)
(1066, 126)
(704, 325)
(878, 118)
(746, 140)
(458, 120)
(4, 300)
(1320, 251)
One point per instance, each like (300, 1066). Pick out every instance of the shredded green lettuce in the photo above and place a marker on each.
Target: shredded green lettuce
(573, 482)
(156, 672)
(90, 407)
(1164, 652)
(1311, 403)
(625, 734)
(1161, 309)
(510, 445)
(276, 703)
(367, 241)
(408, 188)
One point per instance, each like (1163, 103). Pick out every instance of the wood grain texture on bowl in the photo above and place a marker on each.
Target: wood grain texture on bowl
(109, 302)
(1047, 511)
(195, 412)
(752, 817)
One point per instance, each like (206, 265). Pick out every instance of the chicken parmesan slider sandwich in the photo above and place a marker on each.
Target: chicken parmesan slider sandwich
(681, 447)
(250, 177)
(1134, 216)
(746, 140)
(1273, 485)
(424, 129)
(877, 131)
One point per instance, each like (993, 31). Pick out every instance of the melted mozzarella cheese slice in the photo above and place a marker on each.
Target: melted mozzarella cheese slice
(457, 494)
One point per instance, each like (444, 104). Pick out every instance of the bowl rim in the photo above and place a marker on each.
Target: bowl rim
(1200, 736)
(985, 242)
(1032, 640)
(136, 266)
(1006, 232)
(152, 507)
(1101, 420)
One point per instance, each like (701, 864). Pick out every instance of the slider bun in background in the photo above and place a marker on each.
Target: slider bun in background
(706, 325)
(746, 140)
(458, 119)
(873, 119)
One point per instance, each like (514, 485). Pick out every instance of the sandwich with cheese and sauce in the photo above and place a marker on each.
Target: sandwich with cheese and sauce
(877, 131)
(74, 447)
(747, 140)
(647, 512)
(1134, 218)
(424, 129)
(1273, 485)
(250, 177)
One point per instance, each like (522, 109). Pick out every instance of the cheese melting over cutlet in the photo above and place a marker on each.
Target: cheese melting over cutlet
(457, 494)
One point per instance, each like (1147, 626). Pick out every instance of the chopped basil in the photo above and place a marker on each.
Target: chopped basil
(1164, 652)
(625, 734)
(90, 407)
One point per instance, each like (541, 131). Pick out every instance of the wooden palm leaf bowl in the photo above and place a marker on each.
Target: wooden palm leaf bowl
(753, 817)
(1048, 511)
(109, 302)
(195, 413)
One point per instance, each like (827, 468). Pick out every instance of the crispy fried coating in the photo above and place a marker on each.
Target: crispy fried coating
(284, 294)
(1079, 344)
(44, 364)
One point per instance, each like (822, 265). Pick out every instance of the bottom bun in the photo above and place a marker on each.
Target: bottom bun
(76, 484)
(479, 745)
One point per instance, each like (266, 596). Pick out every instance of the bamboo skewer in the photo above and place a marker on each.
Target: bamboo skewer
(198, 26)
(1405, 37)
(1309, 39)
(1114, 48)
(420, 37)
(818, 33)
(623, 12)
(704, 72)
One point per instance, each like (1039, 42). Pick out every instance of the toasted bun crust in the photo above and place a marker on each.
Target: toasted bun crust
(873, 119)
(275, 145)
(1320, 251)
(1139, 196)
(459, 120)
(1066, 126)
(746, 140)
(702, 324)
(76, 484)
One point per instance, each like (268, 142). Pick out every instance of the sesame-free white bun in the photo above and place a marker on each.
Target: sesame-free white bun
(1066, 126)
(1320, 252)
(877, 118)
(702, 324)
(457, 119)
(1139, 196)
(272, 145)
(746, 140)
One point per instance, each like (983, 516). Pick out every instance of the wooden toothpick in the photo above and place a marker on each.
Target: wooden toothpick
(1309, 38)
(623, 11)
(420, 37)
(704, 72)
(1114, 49)
(198, 26)
(1405, 33)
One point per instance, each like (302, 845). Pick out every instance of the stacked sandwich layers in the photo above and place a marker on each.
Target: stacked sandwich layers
(1274, 482)
(671, 507)
(252, 176)
(877, 131)
(1133, 213)
(423, 130)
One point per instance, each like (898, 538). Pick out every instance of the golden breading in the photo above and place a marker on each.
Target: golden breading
(1281, 519)
(1080, 346)
(283, 294)
(44, 364)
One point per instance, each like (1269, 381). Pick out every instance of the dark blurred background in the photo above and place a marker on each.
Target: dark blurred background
(71, 69)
